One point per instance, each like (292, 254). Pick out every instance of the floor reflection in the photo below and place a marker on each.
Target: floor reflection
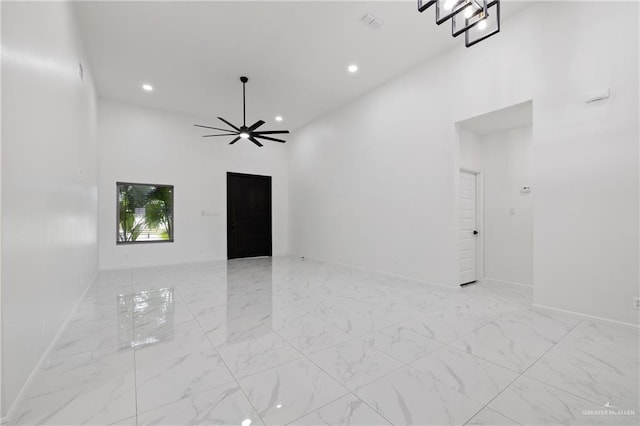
(290, 341)
(231, 310)
(249, 297)
(146, 317)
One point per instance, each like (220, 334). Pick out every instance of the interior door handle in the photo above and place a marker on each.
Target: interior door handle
(475, 232)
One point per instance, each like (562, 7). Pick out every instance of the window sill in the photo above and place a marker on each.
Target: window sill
(126, 243)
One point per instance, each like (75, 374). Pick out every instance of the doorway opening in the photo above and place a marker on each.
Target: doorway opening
(495, 200)
(469, 218)
(249, 231)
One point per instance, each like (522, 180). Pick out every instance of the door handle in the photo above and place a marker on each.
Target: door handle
(475, 232)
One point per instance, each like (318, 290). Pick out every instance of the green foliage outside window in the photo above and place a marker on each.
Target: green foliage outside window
(145, 213)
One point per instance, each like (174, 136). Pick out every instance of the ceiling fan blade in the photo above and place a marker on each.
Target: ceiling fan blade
(269, 139)
(256, 125)
(252, 139)
(214, 128)
(235, 140)
(272, 132)
(225, 134)
(228, 124)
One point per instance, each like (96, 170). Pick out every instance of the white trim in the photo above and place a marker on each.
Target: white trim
(591, 317)
(479, 219)
(480, 223)
(491, 280)
(359, 268)
(472, 171)
(23, 391)
(152, 263)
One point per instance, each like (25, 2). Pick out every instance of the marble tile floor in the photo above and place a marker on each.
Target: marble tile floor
(289, 341)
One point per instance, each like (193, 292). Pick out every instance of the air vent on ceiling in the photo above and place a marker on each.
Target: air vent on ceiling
(371, 21)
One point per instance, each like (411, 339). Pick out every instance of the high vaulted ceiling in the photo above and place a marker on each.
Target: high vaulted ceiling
(295, 53)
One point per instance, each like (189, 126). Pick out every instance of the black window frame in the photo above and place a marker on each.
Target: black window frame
(156, 185)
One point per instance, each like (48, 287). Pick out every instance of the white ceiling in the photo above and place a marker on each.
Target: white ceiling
(500, 120)
(294, 53)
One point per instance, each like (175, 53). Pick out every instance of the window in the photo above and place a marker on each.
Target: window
(145, 213)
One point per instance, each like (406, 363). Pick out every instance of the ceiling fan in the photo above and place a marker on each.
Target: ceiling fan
(244, 131)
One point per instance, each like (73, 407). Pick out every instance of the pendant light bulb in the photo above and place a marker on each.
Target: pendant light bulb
(468, 12)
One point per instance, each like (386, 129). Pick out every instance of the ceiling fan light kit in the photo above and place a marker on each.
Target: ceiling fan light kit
(245, 132)
(477, 19)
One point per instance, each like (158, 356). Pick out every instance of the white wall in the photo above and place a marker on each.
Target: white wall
(505, 160)
(49, 183)
(373, 184)
(151, 146)
(469, 149)
(586, 166)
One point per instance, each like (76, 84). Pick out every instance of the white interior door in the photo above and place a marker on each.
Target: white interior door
(467, 213)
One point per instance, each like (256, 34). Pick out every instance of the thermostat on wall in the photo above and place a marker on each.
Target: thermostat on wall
(525, 189)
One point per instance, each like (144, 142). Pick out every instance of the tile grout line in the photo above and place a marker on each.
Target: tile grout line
(349, 391)
(407, 365)
(518, 377)
(352, 392)
(135, 365)
(491, 361)
(404, 365)
(450, 344)
(316, 409)
(359, 338)
(178, 400)
(237, 382)
(552, 346)
(553, 386)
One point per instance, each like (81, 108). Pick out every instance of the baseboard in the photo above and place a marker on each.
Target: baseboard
(491, 280)
(587, 316)
(389, 274)
(23, 391)
(151, 264)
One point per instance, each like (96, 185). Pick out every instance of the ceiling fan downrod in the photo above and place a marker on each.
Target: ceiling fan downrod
(243, 132)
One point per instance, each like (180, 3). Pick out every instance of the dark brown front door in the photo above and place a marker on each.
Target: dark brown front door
(248, 215)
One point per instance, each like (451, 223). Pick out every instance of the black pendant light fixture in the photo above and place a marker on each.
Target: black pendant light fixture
(245, 132)
(477, 19)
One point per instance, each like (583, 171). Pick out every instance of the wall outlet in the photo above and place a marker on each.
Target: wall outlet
(636, 303)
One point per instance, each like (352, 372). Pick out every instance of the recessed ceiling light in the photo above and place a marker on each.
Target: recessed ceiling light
(279, 118)
(353, 68)
(147, 87)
